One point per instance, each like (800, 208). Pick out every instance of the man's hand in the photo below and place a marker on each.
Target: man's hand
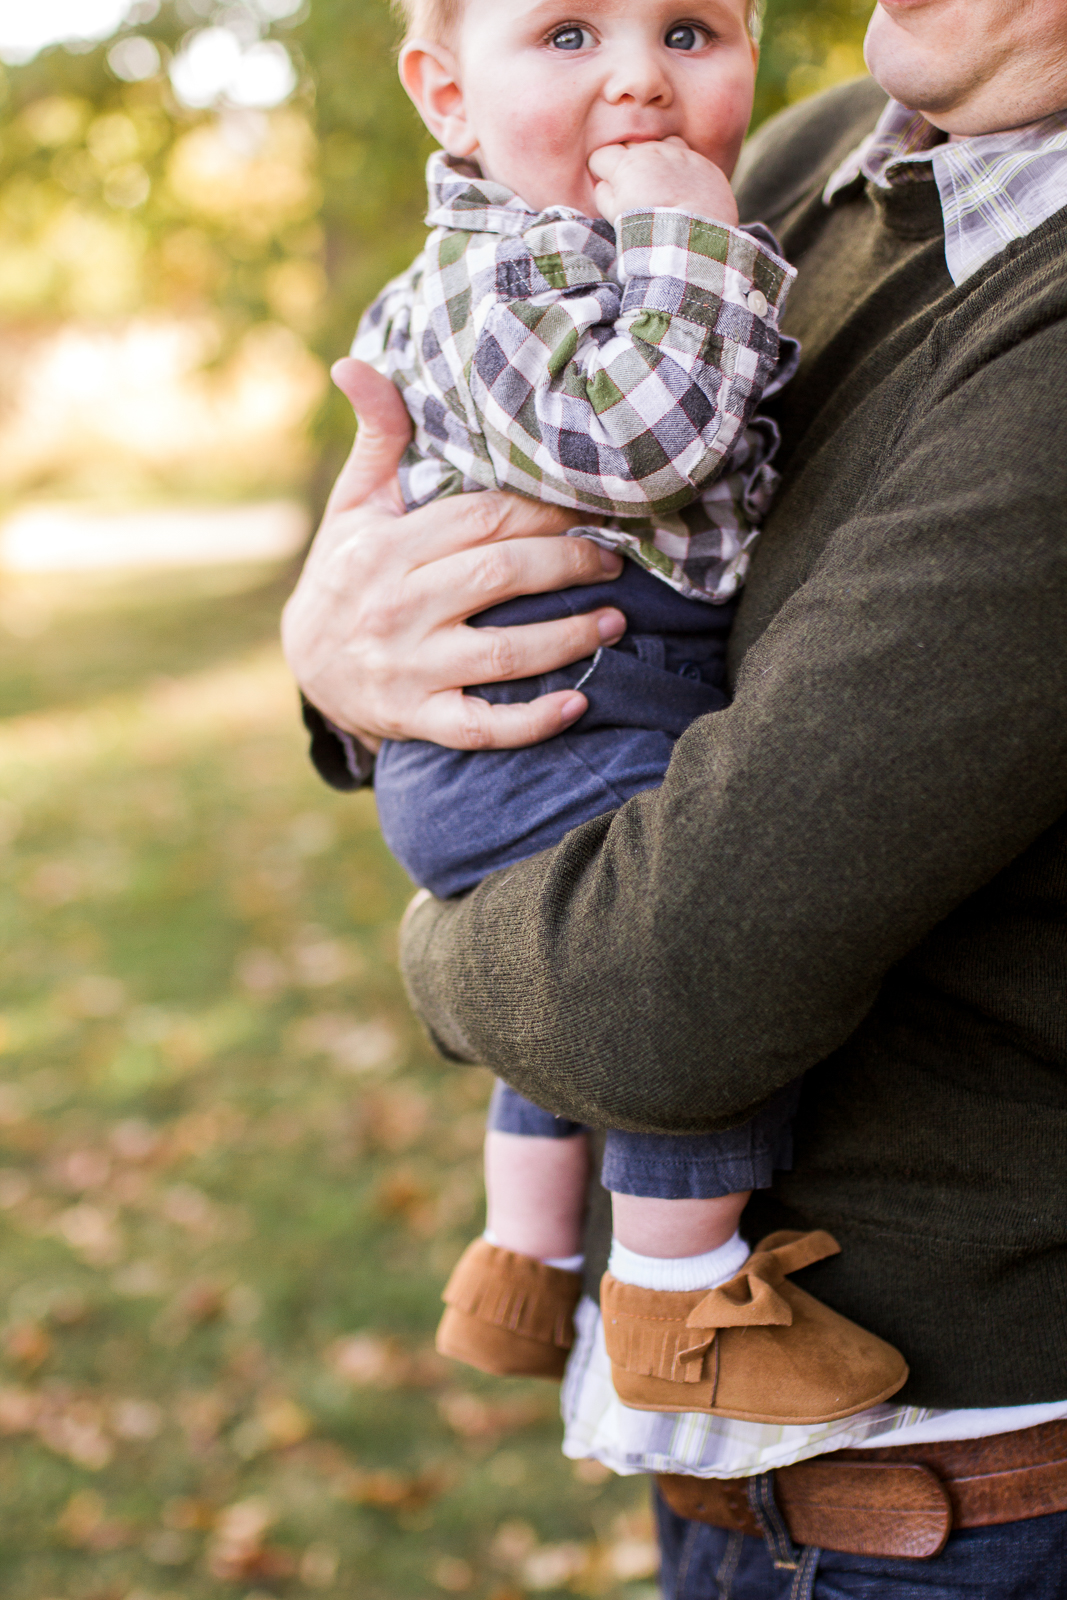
(662, 172)
(375, 631)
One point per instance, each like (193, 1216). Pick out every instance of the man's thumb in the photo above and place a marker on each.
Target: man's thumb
(383, 436)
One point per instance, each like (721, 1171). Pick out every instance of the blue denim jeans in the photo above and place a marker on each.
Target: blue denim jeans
(671, 1166)
(1016, 1561)
(453, 816)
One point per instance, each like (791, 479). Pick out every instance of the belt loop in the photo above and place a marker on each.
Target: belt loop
(803, 1586)
(802, 1563)
(772, 1524)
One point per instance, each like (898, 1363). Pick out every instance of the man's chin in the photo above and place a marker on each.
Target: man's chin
(906, 77)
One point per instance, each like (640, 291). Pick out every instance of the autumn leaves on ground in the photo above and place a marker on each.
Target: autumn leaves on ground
(233, 1177)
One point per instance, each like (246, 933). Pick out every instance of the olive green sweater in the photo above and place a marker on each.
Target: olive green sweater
(859, 869)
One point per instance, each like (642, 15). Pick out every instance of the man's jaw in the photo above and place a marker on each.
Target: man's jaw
(967, 80)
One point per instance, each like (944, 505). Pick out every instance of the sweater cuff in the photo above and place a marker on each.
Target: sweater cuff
(338, 757)
(680, 272)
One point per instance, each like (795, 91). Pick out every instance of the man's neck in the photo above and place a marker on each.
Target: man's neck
(962, 138)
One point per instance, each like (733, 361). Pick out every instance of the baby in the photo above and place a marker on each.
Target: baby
(588, 325)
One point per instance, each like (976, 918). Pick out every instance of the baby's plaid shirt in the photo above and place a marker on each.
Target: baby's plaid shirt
(536, 353)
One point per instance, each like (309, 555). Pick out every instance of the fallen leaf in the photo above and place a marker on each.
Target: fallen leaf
(28, 1344)
(189, 1208)
(284, 1422)
(170, 1547)
(84, 1523)
(392, 1491)
(553, 1565)
(14, 1185)
(366, 1358)
(81, 1169)
(189, 1515)
(402, 1194)
(453, 1574)
(136, 1419)
(19, 1410)
(237, 1550)
(91, 1233)
(82, 1514)
(74, 1428)
(395, 1119)
(134, 1140)
(201, 1414)
(474, 1418)
(632, 1559)
(94, 995)
(318, 1566)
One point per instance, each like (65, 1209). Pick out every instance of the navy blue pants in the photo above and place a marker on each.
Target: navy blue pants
(1016, 1561)
(451, 817)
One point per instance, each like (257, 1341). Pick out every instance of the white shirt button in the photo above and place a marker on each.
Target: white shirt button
(757, 303)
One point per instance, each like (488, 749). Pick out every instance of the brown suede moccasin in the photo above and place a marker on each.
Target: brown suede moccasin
(757, 1348)
(508, 1314)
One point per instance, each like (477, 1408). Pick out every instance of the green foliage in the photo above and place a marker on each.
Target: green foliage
(232, 1175)
(808, 45)
(115, 199)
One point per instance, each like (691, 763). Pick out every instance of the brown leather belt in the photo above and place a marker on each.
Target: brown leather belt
(903, 1501)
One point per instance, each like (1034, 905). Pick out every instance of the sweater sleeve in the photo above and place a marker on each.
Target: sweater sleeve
(624, 398)
(897, 739)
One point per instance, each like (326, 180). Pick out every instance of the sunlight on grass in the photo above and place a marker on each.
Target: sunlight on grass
(232, 1175)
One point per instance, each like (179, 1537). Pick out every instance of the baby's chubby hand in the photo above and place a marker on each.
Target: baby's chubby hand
(661, 172)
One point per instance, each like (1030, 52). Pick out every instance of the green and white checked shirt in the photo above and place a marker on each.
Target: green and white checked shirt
(535, 353)
(994, 187)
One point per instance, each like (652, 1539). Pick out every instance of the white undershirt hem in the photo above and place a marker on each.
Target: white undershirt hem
(598, 1426)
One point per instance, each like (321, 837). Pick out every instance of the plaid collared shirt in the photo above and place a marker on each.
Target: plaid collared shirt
(535, 354)
(994, 188)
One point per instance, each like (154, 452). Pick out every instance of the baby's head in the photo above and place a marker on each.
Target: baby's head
(529, 89)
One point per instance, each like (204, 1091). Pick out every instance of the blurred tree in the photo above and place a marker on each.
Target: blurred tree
(117, 196)
(808, 45)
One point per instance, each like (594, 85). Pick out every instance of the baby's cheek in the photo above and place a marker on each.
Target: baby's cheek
(718, 120)
(539, 152)
(545, 131)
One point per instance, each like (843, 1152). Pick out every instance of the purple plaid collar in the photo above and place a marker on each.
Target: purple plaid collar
(994, 187)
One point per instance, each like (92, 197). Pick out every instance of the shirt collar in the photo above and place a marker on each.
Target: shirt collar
(994, 188)
(459, 197)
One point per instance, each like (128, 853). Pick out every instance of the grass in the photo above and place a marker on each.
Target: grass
(233, 1177)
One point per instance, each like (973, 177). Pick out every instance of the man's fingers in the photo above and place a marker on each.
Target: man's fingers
(460, 586)
(384, 432)
(500, 655)
(463, 722)
(513, 516)
(458, 523)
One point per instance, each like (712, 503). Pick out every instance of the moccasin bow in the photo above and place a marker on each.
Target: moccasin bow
(756, 1348)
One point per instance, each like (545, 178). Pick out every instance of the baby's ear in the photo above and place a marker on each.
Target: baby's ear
(430, 74)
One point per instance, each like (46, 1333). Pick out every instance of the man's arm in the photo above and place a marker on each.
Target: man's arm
(897, 738)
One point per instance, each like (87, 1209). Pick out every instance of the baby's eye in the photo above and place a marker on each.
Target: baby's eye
(685, 36)
(571, 38)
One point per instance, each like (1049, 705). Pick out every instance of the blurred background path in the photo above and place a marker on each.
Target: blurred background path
(232, 1177)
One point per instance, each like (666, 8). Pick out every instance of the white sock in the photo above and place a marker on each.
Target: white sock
(705, 1271)
(564, 1263)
